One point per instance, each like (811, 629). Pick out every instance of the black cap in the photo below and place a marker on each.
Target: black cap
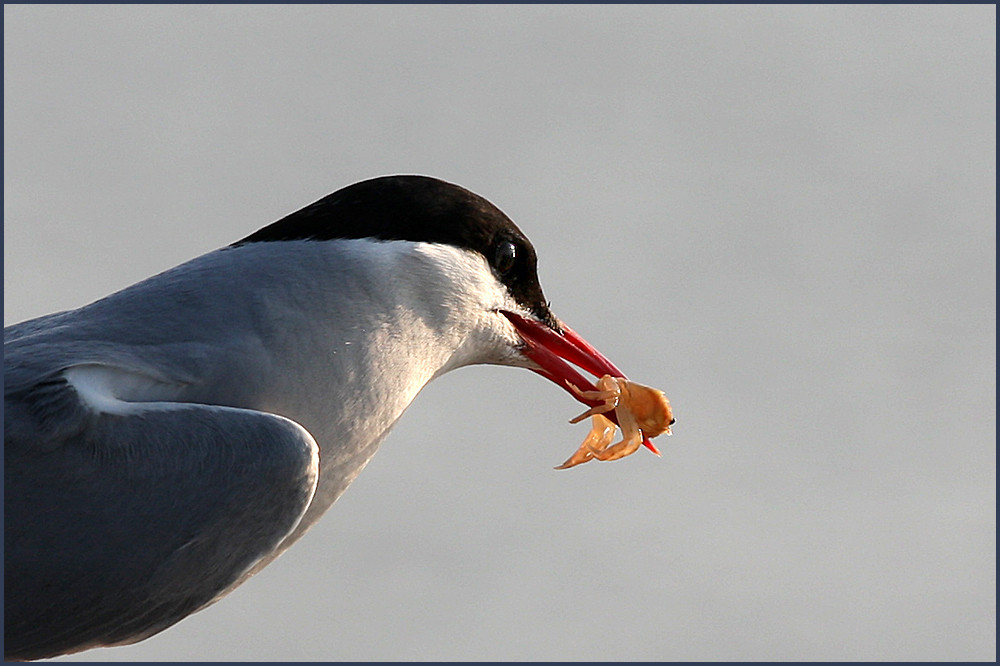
(421, 209)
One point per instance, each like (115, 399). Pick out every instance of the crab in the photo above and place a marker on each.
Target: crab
(642, 413)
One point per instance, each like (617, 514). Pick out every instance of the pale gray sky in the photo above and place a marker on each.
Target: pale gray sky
(783, 216)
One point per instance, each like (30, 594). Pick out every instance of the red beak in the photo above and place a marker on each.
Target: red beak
(550, 351)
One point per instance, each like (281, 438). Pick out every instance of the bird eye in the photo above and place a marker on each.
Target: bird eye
(504, 256)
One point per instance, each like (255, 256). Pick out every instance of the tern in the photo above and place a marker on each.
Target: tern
(166, 442)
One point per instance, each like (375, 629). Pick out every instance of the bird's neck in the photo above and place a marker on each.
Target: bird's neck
(353, 330)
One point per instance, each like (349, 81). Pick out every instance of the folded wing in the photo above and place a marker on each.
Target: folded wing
(121, 522)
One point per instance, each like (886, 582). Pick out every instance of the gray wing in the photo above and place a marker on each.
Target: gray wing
(118, 525)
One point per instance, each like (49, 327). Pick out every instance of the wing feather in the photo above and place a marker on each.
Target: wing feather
(119, 524)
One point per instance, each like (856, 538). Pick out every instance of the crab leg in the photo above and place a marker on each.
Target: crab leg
(631, 438)
(597, 441)
(609, 400)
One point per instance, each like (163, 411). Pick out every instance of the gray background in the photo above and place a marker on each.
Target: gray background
(783, 216)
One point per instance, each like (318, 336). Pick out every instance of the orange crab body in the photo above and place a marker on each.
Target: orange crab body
(641, 411)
